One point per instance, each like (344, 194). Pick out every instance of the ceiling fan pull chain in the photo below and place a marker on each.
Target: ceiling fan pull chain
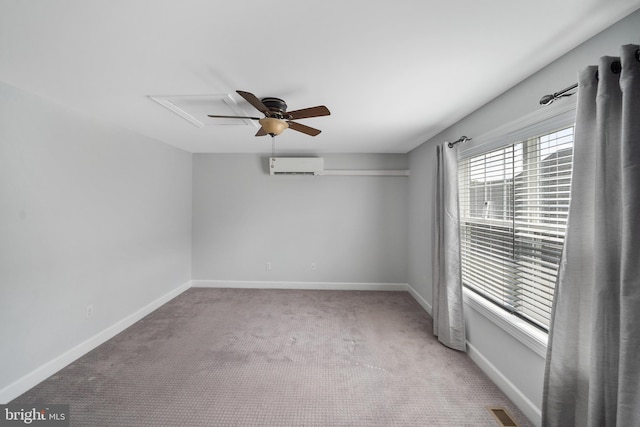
(273, 146)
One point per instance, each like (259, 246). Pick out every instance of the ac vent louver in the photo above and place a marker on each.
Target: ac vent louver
(296, 165)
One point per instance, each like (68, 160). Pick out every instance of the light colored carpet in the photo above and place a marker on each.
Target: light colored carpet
(240, 357)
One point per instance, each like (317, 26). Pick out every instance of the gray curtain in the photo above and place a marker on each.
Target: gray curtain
(448, 320)
(592, 374)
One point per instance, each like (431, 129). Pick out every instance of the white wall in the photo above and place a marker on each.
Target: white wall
(88, 215)
(353, 227)
(519, 368)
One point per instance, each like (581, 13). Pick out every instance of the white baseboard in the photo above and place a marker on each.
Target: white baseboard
(38, 375)
(517, 397)
(420, 300)
(333, 286)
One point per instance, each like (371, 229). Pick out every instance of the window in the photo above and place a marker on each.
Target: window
(514, 202)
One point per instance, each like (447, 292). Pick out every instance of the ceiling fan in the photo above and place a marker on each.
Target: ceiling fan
(276, 117)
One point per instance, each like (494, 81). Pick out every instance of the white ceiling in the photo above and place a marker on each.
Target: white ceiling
(393, 73)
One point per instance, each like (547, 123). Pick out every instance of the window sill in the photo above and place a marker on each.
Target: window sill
(528, 335)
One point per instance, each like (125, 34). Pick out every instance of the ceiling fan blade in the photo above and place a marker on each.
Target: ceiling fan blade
(233, 117)
(261, 132)
(255, 101)
(304, 129)
(304, 113)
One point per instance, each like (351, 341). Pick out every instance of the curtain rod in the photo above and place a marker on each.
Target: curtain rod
(461, 139)
(548, 99)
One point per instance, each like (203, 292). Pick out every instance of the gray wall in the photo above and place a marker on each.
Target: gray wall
(94, 215)
(88, 215)
(353, 227)
(519, 365)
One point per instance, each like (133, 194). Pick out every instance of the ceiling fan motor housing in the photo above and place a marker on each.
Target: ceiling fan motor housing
(275, 105)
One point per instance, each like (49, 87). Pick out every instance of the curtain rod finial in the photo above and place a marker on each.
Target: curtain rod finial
(547, 99)
(461, 139)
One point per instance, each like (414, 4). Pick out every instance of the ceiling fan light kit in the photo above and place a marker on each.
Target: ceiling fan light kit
(273, 126)
(277, 119)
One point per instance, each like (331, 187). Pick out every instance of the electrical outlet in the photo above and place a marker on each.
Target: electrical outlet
(267, 266)
(313, 266)
(89, 312)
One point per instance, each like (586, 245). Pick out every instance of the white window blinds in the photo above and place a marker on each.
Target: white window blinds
(513, 212)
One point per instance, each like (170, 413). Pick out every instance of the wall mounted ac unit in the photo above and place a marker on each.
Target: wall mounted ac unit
(296, 165)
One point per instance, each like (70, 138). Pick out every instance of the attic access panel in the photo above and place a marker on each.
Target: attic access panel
(195, 108)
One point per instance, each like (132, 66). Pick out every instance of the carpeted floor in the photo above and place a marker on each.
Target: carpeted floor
(240, 357)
